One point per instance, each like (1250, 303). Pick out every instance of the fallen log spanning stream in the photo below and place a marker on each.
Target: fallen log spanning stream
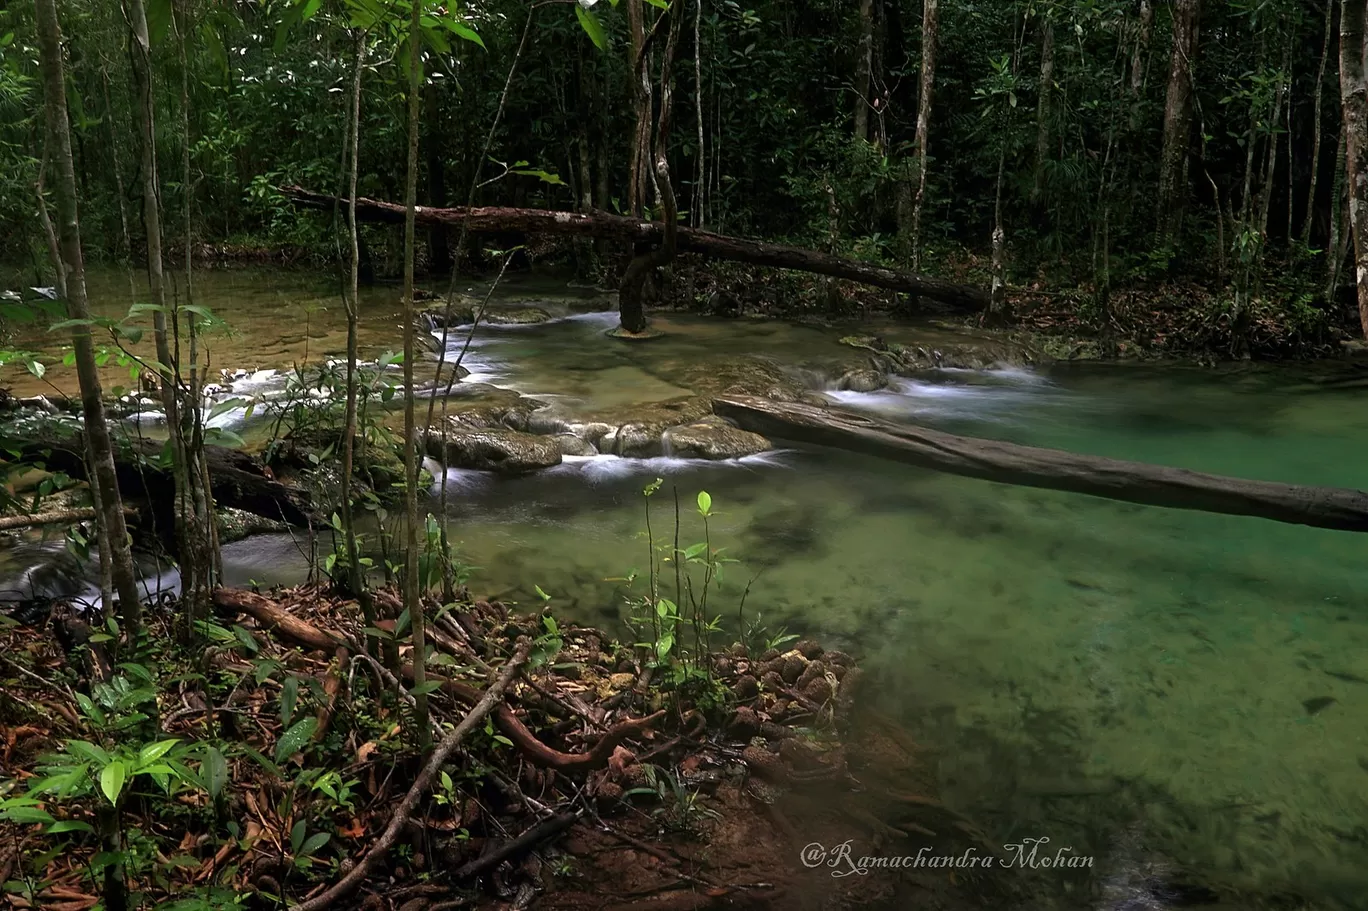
(493, 219)
(1133, 482)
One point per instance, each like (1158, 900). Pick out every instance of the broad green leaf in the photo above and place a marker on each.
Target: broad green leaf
(68, 825)
(154, 751)
(310, 8)
(313, 843)
(297, 833)
(292, 740)
(592, 27)
(659, 3)
(428, 686)
(289, 697)
(693, 551)
(112, 779)
(25, 815)
(461, 30)
(704, 503)
(88, 752)
(214, 771)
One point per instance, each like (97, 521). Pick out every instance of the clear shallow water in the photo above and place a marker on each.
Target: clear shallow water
(1133, 682)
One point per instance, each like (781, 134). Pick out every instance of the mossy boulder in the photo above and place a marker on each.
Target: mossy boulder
(493, 449)
(522, 316)
(713, 438)
(937, 349)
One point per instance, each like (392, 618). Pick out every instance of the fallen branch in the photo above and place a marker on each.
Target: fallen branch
(491, 697)
(1031, 466)
(543, 830)
(56, 517)
(689, 240)
(299, 632)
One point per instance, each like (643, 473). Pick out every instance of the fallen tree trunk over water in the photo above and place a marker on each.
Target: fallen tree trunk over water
(237, 479)
(1133, 482)
(493, 219)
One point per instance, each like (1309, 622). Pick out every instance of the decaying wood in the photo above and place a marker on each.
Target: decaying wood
(238, 480)
(490, 698)
(690, 240)
(56, 517)
(1133, 482)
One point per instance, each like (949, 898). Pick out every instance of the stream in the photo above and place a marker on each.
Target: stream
(1183, 696)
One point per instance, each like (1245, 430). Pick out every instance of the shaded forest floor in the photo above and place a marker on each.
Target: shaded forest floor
(282, 753)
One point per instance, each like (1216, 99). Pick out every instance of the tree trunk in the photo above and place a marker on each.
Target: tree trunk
(1319, 90)
(1133, 482)
(929, 40)
(1177, 120)
(698, 202)
(997, 295)
(638, 199)
(1354, 98)
(439, 253)
(412, 597)
(191, 552)
(1046, 91)
(356, 579)
(864, 69)
(1141, 49)
(1339, 211)
(112, 525)
(705, 243)
(632, 313)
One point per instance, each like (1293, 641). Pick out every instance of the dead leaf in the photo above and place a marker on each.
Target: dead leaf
(366, 751)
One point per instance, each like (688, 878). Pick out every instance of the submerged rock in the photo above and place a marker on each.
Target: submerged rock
(493, 449)
(713, 438)
(934, 350)
(523, 316)
(862, 379)
(572, 445)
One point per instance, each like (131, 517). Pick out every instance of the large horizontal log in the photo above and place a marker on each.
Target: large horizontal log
(494, 219)
(1134, 482)
(237, 479)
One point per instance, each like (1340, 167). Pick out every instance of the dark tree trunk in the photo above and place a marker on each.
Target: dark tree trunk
(1177, 120)
(1052, 469)
(1354, 98)
(73, 264)
(439, 251)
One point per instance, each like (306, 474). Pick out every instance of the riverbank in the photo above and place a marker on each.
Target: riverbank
(598, 779)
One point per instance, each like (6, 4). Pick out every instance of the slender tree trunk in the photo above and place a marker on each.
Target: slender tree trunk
(1043, 108)
(1339, 211)
(119, 190)
(439, 254)
(700, 189)
(864, 69)
(1177, 120)
(1316, 126)
(1354, 98)
(929, 39)
(356, 578)
(638, 199)
(630, 307)
(112, 525)
(412, 597)
(1141, 49)
(997, 306)
(206, 530)
(190, 556)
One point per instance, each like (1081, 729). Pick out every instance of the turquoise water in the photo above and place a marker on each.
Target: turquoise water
(1147, 686)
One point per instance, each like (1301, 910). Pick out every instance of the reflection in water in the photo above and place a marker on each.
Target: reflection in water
(1134, 682)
